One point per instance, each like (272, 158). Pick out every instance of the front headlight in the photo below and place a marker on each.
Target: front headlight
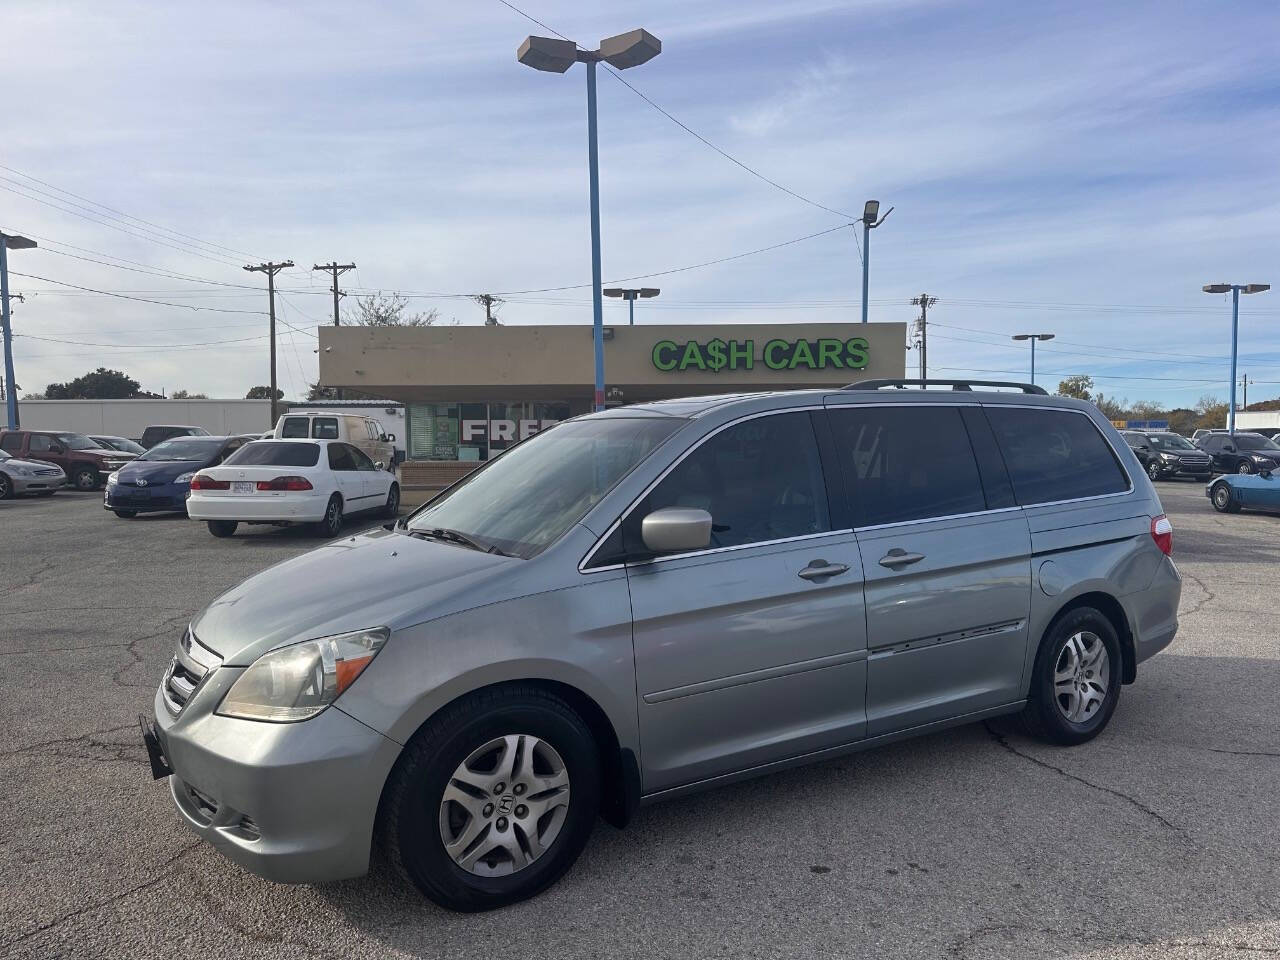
(113, 478)
(1168, 456)
(21, 471)
(184, 478)
(1257, 458)
(298, 681)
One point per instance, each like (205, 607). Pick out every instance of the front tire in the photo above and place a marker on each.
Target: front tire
(1153, 470)
(85, 478)
(1244, 467)
(223, 528)
(125, 514)
(1222, 499)
(1075, 684)
(493, 799)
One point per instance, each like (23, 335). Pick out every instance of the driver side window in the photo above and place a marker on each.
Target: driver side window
(760, 480)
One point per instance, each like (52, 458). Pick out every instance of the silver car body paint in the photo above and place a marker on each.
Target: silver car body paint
(709, 666)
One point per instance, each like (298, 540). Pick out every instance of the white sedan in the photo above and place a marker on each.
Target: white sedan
(284, 482)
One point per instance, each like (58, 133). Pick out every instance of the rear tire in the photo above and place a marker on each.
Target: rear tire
(1075, 684)
(331, 525)
(544, 741)
(125, 514)
(223, 528)
(392, 509)
(1223, 500)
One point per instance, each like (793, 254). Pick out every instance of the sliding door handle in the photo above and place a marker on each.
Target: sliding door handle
(897, 557)
(820, 570)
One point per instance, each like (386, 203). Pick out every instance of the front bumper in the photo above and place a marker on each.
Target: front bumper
(161, 497)
(291, 802)
(1196, 471)
(264, 508)
(36, 484)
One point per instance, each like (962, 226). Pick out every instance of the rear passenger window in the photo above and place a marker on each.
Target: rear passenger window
(906, 463)
(295, 428)
(324, 428)
(1055, 455)
(760, 480)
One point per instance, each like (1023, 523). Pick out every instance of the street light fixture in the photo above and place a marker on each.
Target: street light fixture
(1235, 289)
(630, 295)
(9, 242)
(622, 52)
(870, 220)
(1033, 337)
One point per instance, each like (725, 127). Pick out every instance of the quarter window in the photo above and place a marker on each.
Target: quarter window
(1055, 455)
(906, 463)
(760, 480)
(340, 457)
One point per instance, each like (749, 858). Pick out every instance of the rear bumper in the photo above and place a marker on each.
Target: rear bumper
(1154, 612)
(292, 802)
(263, 508)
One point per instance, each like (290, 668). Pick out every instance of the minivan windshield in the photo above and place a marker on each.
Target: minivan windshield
(265, 453)
(1170, 441)
(531, 495)
(186, 449)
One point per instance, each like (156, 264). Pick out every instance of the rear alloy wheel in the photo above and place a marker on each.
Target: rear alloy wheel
(6, 487)
(1222, 499)
(1153, 470)
(392, 509)
(126, 514)
(223, 528)
(85, 478)
(1244, 467)
(331, 525)
(1075, 684)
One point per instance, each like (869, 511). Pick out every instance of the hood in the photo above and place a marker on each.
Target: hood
(158, 471)
(31, 464)
(376, 579)
(105, 454)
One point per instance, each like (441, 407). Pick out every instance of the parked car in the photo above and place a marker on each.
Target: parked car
(364, 433)
(284, 482)
(159, 481)
(1241, 452)
(158, 433)
(117, 443)
(1163, 454)
(1202, 433)
(85, 464)
(1230, 492)
(643, 602)
(28, 476)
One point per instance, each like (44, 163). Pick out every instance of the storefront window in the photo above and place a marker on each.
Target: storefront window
(475, 431)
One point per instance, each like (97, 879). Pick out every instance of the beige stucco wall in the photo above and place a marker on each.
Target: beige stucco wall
(415, 364)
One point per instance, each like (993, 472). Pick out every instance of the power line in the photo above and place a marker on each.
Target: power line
(85, 343)
(121, 296)
(688, 129)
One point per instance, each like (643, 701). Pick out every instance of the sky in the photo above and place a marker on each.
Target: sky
(1080, 168)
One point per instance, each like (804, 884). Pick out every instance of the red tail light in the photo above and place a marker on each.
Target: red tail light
(285, 483)
(1162, 534)
(202, 481)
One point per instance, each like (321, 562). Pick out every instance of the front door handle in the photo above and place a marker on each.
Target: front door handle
(820, 569)
(897, 557)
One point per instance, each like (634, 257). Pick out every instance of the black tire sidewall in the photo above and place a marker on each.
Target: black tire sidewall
(222, 528)
(125, 514)
(1047, 721)
(420, 848)
(6, 487)
(393, 508)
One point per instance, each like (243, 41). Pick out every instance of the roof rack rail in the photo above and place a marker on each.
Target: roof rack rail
(963, 385)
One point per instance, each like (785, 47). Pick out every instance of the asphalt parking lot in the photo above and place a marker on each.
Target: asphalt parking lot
(1158, 839)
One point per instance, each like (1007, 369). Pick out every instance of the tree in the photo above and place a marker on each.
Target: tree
(1212, 411)
(379, 310)
(1181, 420)
(187, 395)
(100, 384)
(1146, 410)
(317, 392)
(262, 393)
(1111, 408)
(1078, 386)
(33, 396)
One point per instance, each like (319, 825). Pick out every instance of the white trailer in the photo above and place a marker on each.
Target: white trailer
(128, 418)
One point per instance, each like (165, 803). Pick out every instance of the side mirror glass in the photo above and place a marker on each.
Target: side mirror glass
(380, 464)
(390, 438)
(1228, 448)
(676, 529)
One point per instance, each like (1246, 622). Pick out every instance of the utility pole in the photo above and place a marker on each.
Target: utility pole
(271, 269)
(924, 302)
(488, 301)
(337, 269)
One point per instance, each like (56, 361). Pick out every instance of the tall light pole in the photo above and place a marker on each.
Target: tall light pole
(1033, 337)
(7, 243)
(870, 211)
(1235, 289)
(630, 295)
(622, 52)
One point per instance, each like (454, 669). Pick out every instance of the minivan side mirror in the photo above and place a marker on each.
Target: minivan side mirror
(676, 529)
(388, 438)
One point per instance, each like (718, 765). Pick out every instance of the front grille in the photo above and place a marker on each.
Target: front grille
(191, 663)
(47, 473)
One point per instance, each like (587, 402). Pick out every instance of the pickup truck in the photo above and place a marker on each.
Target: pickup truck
(83, 461)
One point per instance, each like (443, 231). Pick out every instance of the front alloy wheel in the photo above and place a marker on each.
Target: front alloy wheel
(1153, 470)
(1244, 467)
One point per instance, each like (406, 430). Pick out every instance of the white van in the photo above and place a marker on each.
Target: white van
(364, 433)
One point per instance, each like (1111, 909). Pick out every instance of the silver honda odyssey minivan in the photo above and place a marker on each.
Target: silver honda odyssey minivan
(658, 599)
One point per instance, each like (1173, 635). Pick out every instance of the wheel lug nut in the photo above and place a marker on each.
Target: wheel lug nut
(488, 809)
(522, 811)
(502, 823)
(500, 788)
(518, 789)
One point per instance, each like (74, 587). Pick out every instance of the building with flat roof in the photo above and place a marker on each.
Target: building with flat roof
(469, 392)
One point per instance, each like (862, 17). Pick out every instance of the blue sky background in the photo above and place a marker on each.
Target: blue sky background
(1080, 168)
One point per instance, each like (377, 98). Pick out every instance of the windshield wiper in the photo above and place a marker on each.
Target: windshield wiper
(453, 536)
